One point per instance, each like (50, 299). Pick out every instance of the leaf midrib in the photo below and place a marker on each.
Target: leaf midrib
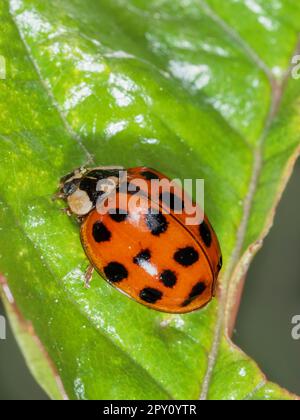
(75, 136)
(89, 160)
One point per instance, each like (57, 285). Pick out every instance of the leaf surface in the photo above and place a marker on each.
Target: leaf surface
(194, 89)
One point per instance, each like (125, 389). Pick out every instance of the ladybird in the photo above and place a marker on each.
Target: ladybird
(144, 249)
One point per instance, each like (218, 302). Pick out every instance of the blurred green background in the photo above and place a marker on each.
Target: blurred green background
(271, 298)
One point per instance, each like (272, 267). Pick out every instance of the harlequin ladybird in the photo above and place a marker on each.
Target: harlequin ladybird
(146, 251)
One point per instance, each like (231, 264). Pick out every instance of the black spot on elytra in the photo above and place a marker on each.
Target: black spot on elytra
(205, 234)
(101, 233)
(168, 278)
(142, 256)
(196, 291)
(115, 272)
(172, 201)
(149, 175)
(118, 215)
(129, 188)
(186, 256)
(132, 188)
(150, 295)
(89, 185)
(156, 223)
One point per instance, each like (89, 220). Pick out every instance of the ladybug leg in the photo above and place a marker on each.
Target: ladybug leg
(58, 196)
(80, 219)
(88, 276)
(67, 211)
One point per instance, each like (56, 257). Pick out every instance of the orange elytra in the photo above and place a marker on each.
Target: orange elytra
(145, 250)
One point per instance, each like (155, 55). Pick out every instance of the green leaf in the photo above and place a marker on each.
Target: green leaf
(195, 89)
(37, 358)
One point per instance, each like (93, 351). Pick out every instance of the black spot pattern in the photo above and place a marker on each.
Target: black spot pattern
(150, 295)
(168, 278)
(89, 185)
(156, 223)
(118, 215)
(142, 256)
(186, 256)
(205, 234)
(149, 175)
(196, 291)
(132, 188)
(172, 201)
(115, 272)
(101, 233)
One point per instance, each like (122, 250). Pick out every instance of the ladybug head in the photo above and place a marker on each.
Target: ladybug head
(83, 187)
